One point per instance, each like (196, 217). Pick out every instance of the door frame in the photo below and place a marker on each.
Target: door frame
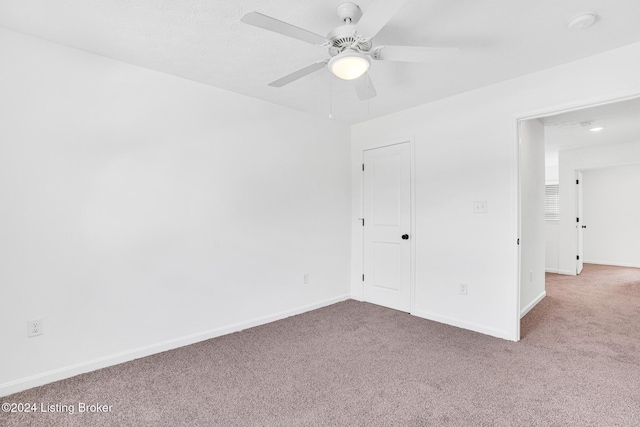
(579, 232)
(549, 110)
(412, 213)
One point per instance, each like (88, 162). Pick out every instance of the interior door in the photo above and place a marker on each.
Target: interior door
(579, 228)
(387, 226)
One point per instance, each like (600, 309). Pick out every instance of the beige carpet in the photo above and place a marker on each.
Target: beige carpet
(356, 364)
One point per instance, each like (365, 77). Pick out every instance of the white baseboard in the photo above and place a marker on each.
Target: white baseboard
(464, 325)
(532, 304)
(357, 297)
(615, 264)
(125, 356)
(565, 272)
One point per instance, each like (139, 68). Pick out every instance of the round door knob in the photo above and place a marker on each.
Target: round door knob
(405, 237)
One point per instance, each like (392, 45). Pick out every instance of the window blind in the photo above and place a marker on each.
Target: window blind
(551, 202)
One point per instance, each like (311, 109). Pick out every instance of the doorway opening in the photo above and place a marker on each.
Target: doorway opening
(557, 149)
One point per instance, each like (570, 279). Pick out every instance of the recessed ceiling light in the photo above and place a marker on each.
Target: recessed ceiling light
(582, 21)
(596, 129)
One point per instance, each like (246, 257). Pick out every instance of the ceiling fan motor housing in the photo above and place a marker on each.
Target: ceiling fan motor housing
(344, 37)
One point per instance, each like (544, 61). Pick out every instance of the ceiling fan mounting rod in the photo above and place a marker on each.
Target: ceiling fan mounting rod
(349, 13)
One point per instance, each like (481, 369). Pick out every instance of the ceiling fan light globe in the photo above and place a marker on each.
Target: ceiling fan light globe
(349, 65)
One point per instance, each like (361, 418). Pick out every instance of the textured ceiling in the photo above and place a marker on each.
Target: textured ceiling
(206, 42)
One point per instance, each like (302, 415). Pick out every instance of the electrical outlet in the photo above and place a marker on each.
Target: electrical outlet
(35, 327)
(305, 278)
(480, 206)
(462, 290)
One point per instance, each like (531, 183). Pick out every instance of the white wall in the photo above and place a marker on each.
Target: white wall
(141, 211)
(465, 150)
(532, 204)
(551, 255)
(570, 162)
(552, 173)
(611, 209)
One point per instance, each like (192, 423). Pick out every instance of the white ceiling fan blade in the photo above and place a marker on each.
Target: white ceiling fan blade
(377, 15)
(412, 53)
(268, 23)
(298, 74)
(364, 87)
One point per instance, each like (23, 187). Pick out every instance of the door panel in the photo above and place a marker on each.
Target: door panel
(385, 172)
(387, 262)
(387, 212)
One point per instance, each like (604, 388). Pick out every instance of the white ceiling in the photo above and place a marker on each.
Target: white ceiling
(206, 42)
(570, 130)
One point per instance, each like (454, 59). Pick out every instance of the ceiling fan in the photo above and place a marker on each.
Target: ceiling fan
(350, 45)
